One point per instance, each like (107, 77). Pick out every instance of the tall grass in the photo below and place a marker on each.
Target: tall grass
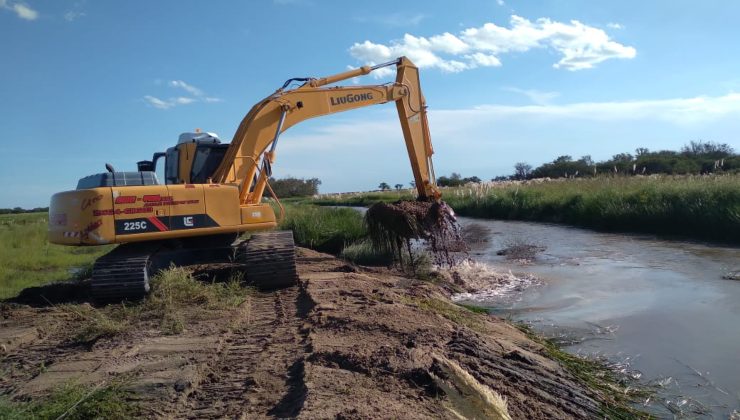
(702, 207)
(698, 207)
(324, 229)
(28, 259)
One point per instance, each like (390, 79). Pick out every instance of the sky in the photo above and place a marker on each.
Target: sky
(83, 83)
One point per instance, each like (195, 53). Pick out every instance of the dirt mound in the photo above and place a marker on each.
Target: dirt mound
(344, 343)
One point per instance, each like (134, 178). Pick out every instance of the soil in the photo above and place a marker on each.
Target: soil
(347, 342)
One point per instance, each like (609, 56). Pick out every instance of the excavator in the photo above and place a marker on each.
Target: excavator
(213, 192)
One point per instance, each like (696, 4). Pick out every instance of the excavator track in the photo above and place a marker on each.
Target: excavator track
(123, 273)
(269, 258)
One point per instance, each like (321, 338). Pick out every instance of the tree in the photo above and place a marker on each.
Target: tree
(622, 157)
(641, 151)
(384, 186)
(413, 184)
(398, 187)
(522, 170)
(295, 187)
(708, 148)
(586, 160)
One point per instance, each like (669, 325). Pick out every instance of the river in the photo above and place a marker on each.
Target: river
(662, 308)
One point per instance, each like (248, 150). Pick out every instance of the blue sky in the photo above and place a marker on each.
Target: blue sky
(88, 82)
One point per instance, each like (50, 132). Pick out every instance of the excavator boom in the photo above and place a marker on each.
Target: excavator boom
(262, 126)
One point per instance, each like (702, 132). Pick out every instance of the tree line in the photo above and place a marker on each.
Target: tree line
(697, 157)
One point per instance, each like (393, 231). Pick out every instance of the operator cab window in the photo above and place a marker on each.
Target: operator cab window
(171, 166)
(207, 159)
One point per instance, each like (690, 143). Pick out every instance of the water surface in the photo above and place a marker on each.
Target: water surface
(662, 306)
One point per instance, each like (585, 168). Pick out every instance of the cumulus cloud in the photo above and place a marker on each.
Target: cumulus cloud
(580, 46)
(196, 95)
(22, 10)
(613, 25)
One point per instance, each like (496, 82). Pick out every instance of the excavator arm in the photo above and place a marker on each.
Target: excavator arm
(247, 162)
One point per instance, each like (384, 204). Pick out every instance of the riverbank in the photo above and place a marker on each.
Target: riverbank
(694, 207)
(348, 342)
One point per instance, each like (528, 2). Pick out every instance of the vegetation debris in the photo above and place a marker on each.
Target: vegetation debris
(393, 226)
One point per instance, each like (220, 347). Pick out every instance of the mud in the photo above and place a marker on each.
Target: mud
(345, 343)
(521, 252)
(392, 226)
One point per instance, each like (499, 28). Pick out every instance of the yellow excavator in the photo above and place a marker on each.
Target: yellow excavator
(214, 191)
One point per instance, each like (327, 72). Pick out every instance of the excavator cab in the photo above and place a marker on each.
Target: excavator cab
(192, 161)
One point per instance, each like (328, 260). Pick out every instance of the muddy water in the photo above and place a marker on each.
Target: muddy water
(660, 306)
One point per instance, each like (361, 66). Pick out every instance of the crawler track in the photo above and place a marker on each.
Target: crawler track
(123, 273)
(270, 259)
(260, 368)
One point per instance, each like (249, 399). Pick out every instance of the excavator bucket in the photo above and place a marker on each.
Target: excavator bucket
(394, 226)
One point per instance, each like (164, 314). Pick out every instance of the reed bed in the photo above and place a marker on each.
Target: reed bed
(700, 207)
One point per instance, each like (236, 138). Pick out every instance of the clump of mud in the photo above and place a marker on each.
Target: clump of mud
(392, 227)
(521, 252)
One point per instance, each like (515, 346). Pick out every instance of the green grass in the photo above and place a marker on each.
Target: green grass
(701, 207)
(175, 298)
(474, 308)
(363, 253)
(28, 259)
(324, 229)
(77, 402)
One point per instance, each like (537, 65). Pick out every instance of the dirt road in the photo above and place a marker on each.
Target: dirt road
(345, 343)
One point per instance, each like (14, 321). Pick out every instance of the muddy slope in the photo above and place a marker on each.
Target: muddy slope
(345, 343)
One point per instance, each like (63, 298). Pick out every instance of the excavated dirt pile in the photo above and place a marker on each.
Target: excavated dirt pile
(393, 226)
(346, 342)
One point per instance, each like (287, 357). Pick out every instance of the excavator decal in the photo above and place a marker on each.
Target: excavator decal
(164, 224)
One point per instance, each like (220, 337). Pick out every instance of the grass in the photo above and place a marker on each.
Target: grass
(701, 207)
(456, 313)
(175, 299)
(175, 292)
(324, 229)
(363, 253)
(28, 259)
(74, 401)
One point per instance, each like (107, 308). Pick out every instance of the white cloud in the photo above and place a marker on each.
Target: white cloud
(500, 2)
(536, 96)
(580, 46)
(613, 25)
(677, 111)
(158, 103)
(196, 95)
(188, 88)
(23, 10)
